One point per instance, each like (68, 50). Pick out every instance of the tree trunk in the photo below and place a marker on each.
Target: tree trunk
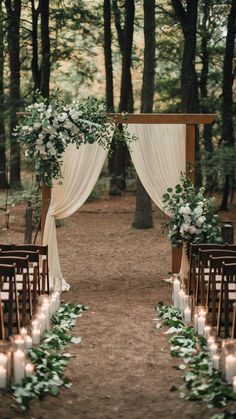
(3, 176)
(45, 40)
(227, 95)
(187, 18)
(13, 37)
(125, 38)
(143, 213)
(34, 63)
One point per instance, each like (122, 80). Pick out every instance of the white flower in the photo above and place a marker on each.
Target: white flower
(41, 136)
(62, 117)
(200, 220)
(68, 125)
(39, 142)
(192, 230)
(37, 125)
(198, 211)
(200, 204)
(186, 210)
(187, 219)
(184, 227)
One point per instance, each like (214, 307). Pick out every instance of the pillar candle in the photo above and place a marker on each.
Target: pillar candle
(29, 369)
(181, 299)
(19, 366)
(216, 361)
(42, 321)
(201, 321)
(35, 336)
(35, 324)
(230, 367)
(195, 320)
(23, 332)
(213, 348)
(207, 330)
(19, 342)
(176, 288)
(185, 300)
(3, 377)
(28, 342)
(187, 315)
(3, 360)
(234, 383)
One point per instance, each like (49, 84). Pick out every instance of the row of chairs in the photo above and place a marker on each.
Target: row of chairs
(212, 281)
(24, 275)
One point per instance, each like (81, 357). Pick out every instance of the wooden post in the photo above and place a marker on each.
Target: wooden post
(46, 199)
(190, 172)
(190, 151)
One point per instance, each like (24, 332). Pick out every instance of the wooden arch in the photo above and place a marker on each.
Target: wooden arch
(190, 120)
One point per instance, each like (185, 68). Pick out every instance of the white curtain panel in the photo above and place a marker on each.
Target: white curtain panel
(158, 156)
(81, 169)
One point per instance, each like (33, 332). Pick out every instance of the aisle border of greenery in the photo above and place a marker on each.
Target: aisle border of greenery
(201, 381)
(49, 362)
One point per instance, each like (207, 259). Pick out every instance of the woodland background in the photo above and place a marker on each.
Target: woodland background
(164, 56)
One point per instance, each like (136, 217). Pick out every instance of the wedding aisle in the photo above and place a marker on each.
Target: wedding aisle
(123, 367)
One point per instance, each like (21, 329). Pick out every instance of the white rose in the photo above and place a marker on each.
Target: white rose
(184, 227)
(198, 211)
(181, 210)
(187, 219)
(200, 204)
(68, 125)
(192, 230)
(200, 221)
(41, 137)
(186, 210)
(38, 142)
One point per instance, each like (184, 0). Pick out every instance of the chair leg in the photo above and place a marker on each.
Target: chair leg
(43, 275)
(2, 330)
(17, 307)
(35, 283)
(24, 299)
(213, 285)
(10, 308)
(226, 310)
(233, 334)
(219, 317)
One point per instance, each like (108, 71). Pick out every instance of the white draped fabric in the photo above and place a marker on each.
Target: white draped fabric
(158, 156)
(81, 169)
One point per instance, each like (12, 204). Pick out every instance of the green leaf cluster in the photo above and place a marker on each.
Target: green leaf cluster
(49, 363)
(201, 381)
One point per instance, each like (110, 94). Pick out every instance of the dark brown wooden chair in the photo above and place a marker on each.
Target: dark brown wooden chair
(44, 271)
(202, 274)
(23, 283)
(9, 299)
(226, 307)
(214, 283)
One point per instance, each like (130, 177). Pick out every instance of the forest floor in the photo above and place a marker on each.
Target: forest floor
(123, 367)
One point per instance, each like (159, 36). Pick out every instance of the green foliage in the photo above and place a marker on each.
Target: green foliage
(192, 217)
(49, 365)
(201, 381)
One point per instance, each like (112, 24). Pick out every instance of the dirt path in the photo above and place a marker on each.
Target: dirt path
(122, 368)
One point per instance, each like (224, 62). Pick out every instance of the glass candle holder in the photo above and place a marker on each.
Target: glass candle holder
(5, 362)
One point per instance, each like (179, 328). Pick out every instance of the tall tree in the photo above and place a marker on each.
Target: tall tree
(187, 17)
(125, 38)
(143, 214)
(227, 95)
(3, 177)
(13, 8)
(35, 10)
(107, 42)
(45, 41)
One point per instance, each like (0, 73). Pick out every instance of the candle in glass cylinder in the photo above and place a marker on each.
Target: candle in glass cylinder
(181, 299)
(234, 383)
(176, 288)
(42, 321)
(3, 360)
(23, 332)
(187, 315)
(3, 377)
(19, 342)
(35, 324)
(216, 361)
(29, 369)
(35, 336)
(213, 348)
(230, 367)
(28, 342)
(207, 331)
(201, 321)
(195, 321)
(19, 366)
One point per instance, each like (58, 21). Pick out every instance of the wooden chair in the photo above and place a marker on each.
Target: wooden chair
(22, 283)
(193, 260)
(34, 274)
(214, 283)
(44, 271)
(8, 275)
(202, 274)
(226, 302)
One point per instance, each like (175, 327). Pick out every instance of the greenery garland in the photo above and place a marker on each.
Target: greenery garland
(201, 381)
(50, 365)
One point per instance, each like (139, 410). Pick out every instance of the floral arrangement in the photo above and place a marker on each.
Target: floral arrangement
(48, 129)
(192, 217)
